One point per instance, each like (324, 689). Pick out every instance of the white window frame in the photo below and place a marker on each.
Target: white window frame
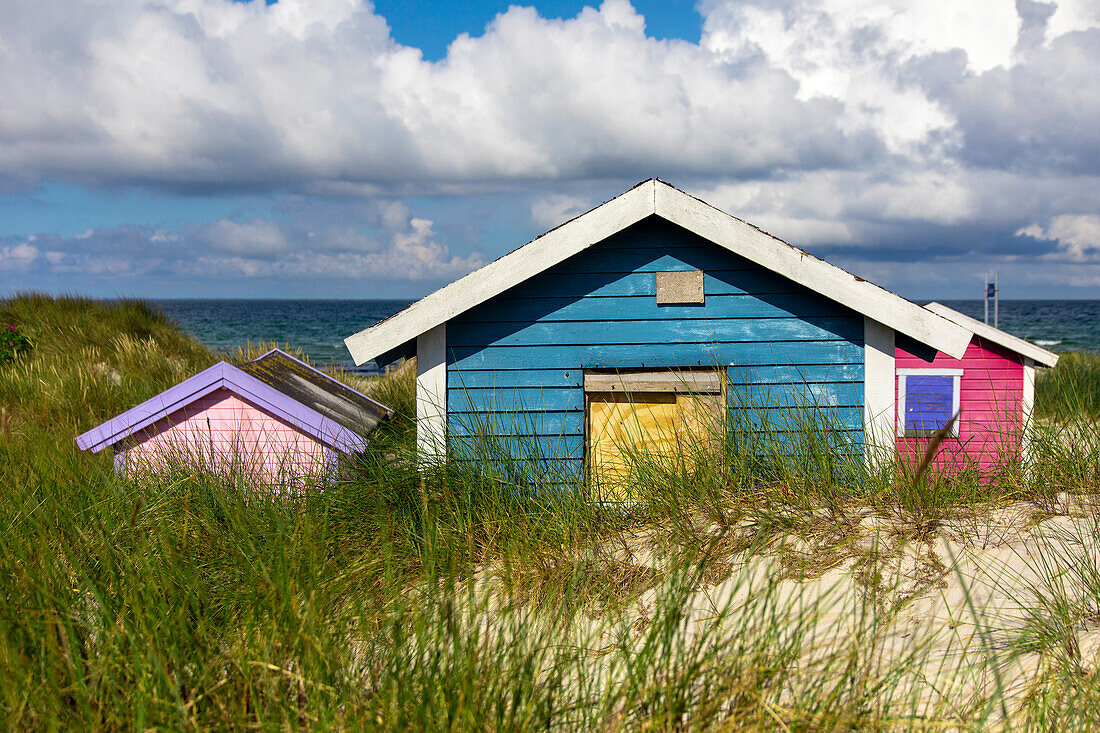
(956, 396)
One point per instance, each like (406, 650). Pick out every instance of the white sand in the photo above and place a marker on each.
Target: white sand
(947, 611)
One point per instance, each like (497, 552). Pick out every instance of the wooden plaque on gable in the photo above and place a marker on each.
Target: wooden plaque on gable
(680, 288)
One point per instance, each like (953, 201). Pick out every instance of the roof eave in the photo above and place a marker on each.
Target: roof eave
(1041, 356)
(329, 378)
(111, 431)
(324, 430)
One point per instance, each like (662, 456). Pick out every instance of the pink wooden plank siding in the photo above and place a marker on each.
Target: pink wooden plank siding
(221, 428)
(991, 399)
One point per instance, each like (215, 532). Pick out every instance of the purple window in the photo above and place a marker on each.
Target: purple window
(928, 400)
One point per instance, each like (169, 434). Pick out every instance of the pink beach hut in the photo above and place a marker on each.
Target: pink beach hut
(276, 418)
(991, 388)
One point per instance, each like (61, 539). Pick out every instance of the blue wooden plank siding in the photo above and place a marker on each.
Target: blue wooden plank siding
(515, 364)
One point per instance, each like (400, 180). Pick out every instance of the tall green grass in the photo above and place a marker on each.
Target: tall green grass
(460, 597)
(1071, 389)
(91, 360)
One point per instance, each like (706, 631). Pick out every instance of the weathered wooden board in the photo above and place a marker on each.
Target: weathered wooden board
(616, 285)
(682, 381)
(640, 307)
(523, 377)
(663, 355)
(698, 330)
(622, 428)
(521, 447)
(483, 400)
(652, 256)
(680, 287)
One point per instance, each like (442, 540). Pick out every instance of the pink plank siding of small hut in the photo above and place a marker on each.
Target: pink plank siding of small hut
(221, 431)
(991, 402)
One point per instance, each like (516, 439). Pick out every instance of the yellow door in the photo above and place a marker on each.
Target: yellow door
(625, 427)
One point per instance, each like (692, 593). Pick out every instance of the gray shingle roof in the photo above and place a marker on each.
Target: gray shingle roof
(318, 391)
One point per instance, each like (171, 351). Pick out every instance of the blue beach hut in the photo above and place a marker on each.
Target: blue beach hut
(649, 296)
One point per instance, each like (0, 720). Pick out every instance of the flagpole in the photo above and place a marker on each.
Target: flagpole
(985, 297)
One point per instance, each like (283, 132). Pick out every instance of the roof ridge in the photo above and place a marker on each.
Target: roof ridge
(684, 210)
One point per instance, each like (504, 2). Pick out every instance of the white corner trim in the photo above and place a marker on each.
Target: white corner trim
(996, 335)
(878, 390)
(956, 394)
(1026, 426)
(431, 395)
(645, 199)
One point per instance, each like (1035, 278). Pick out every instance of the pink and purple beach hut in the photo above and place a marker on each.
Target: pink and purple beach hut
(276, 419)
(991, 388)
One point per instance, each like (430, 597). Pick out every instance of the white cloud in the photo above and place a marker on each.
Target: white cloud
(315, 94)
(416, 255)
(17, 257)
(555, 209)
(212, 92)
(852, 51)
(845, 207)
(405, 250)
(1073, 15)
(258, 238)
(1078, 236)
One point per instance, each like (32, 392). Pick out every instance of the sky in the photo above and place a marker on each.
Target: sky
(343, 149)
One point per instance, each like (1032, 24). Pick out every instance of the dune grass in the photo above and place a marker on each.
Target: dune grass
(1071, 389)
(459, 598)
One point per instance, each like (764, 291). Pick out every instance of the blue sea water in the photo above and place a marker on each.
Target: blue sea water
(319, 327)
(1057, 325)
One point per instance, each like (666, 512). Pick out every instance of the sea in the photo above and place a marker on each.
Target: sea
(318, 327)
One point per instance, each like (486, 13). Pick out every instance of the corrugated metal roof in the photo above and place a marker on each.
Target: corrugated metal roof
(318, 391)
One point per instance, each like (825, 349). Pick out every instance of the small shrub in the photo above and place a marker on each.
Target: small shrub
(13, 343)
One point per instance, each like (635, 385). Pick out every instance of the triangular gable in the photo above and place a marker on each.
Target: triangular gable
(221, 375)
(654, 197)
(1012, 343)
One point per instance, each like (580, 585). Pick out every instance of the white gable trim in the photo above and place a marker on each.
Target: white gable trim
(1027, 443)
(996, 335)
(776, 255)
(645, 199)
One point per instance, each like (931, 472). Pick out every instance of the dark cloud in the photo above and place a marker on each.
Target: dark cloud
(1036, 117)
